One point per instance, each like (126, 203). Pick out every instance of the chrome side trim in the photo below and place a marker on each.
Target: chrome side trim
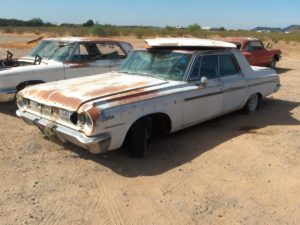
(202, 96)
(228, 90)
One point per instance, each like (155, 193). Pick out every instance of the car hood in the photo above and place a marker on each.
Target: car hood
(73, 93)
(29, 66)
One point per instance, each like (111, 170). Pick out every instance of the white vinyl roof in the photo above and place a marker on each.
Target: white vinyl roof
(188, 42)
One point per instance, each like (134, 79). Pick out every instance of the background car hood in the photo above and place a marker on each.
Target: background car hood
(49, 64)
(71, 94)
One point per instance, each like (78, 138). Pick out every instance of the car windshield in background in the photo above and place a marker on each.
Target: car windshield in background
(54, 50)
(162, 64)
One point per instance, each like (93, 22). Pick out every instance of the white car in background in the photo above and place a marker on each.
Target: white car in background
(171, 85)
(60, 58)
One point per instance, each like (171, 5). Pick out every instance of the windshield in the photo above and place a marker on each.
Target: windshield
(167, 65)
(55, 50)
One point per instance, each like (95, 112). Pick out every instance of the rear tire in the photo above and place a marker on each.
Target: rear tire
(139, 137)
(252, 104)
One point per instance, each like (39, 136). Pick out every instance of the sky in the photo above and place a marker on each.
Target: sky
(207, 13)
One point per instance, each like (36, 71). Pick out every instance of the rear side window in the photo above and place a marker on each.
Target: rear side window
(111, 51)
(255, 45)
(227, 65)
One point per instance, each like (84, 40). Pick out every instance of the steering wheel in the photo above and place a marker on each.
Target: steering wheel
(9, 60)
(174, 72)
(37, 59)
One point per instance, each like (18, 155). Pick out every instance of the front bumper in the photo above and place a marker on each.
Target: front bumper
(7, 95)
(96, 144)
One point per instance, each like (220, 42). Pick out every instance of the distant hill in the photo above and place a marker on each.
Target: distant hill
(292, 28)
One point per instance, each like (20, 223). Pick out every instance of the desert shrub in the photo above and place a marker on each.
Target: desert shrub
(111, 30)
(139, 32)
(79, 31)
(7, 30)
(98, 30)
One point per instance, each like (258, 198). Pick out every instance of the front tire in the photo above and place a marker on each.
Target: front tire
(252, 104)
(139, 137)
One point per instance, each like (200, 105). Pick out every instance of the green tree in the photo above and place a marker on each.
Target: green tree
(36, 22)
(88, 23)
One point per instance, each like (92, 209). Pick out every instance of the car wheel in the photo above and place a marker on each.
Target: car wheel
(252, 104)
(273, 63)
(139, 137)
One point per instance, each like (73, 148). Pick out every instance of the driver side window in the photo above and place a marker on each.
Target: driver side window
(86, 52)
(205, 66)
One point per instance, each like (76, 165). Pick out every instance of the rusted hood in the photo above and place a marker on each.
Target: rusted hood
(71, 94)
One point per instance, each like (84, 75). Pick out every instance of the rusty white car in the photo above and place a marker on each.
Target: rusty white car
(60, 58)
(170, 85)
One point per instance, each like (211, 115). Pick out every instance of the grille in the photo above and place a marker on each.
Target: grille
(50, 111)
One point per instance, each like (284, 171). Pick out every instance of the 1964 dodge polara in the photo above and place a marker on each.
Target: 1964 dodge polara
(170, 85)
(60, 58)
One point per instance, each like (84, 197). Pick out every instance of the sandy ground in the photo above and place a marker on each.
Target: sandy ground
(237, 169)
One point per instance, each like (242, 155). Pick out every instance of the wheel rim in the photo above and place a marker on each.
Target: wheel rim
(252, 102)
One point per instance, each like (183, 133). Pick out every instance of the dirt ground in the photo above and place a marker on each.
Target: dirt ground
(237, 169)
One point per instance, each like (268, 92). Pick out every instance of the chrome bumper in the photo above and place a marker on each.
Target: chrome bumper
(96, 144)
(7, 95)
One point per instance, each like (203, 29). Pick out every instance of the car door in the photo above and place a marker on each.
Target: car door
(204, 102)
(81, 63)
(87, 60)
(234, 84)
(112, 53)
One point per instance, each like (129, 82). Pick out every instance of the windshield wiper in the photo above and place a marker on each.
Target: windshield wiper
(151, 75)
(143, 74)
(127, 72)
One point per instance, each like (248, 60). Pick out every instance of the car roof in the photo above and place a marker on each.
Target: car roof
(83, 39)
(183, 43)
(239, 39)
(191, 50)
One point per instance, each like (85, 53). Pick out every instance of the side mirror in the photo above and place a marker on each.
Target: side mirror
(204, 81)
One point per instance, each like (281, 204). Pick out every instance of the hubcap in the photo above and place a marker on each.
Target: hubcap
(252, 102)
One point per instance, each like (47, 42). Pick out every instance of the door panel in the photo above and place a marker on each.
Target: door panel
(233, 81)
(87, 69)
(234, 92)
(115, 64)
(203, 103)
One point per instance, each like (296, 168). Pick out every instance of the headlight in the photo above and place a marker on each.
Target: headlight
(86, 122)
(22, 102)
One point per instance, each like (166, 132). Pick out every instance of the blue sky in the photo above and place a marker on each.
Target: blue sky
(212, 13)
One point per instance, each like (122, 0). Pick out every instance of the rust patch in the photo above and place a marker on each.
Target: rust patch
(70, 102)
(135, 96)
(35, 40)
(53, 97)
(113, 90)
(77, 65)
